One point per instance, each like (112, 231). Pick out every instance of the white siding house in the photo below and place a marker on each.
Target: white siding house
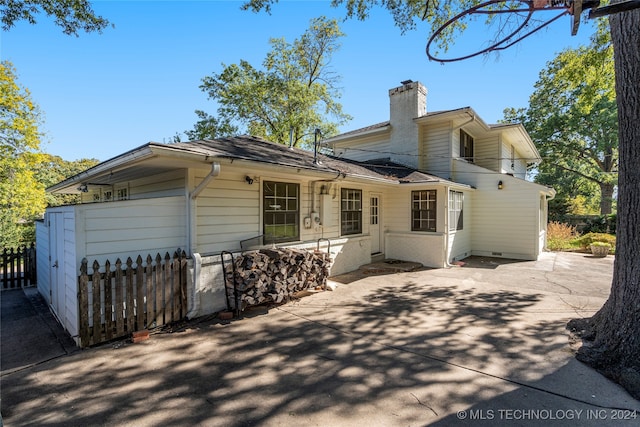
(206, 197)
(503, 214)
(429, 187)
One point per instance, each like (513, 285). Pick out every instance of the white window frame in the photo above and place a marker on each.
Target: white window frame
(467, 147)
(118, 193)
(350, 211)
(456, 210)
(275, 209)
(424, 210)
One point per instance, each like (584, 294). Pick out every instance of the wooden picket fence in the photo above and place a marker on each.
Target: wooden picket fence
(18, 267)
(115, 301)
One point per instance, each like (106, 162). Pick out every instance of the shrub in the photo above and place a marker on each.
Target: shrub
(601, 224)
(560, 236)
(595, 238)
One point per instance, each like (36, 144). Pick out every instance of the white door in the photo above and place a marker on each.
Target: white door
(374, 223)
(56, 261)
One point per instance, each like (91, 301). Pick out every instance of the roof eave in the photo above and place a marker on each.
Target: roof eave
(126, 160)
(534, 154)
(137, 154)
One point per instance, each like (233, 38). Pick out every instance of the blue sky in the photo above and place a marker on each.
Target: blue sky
(104, 94)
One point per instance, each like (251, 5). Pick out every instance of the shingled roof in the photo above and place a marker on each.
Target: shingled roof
(258, 150)
(144, 161)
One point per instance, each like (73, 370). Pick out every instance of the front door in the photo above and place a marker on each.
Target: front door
(374, 223)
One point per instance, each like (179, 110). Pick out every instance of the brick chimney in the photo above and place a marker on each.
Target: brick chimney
(407, 102)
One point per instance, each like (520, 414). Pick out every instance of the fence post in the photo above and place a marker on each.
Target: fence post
(19, 259)
(176, 285)
(159, 311)
(5, 269)
(168, 289)
(95, 299)
(108, 302)
(148, 274)
(33, 267)
(119, 299)
(139, 294)
(130, 302)
(83, 303)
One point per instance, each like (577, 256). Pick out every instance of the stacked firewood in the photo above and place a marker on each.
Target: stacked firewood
(275, 275)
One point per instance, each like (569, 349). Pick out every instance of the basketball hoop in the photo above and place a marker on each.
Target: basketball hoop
(514, 21)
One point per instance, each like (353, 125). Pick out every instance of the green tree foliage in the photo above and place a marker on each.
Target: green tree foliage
(572, 118)
(72, 16)
(21, 195)
(51, 170)
(296, 89)
(209, 127)
(406, 13)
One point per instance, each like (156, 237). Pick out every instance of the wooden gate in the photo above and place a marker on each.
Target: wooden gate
(18, 267)
(115, 301)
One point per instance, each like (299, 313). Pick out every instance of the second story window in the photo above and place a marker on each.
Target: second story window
(466, 146)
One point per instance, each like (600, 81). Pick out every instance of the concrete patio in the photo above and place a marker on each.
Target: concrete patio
(482, 344)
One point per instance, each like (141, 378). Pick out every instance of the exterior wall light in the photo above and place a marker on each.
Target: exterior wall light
(500, 186)
(248, 179)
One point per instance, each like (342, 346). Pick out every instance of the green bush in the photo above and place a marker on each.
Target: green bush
(586, 240)
(560, 236)
(601, 224)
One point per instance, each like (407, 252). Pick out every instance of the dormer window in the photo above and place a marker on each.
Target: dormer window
(466, 146)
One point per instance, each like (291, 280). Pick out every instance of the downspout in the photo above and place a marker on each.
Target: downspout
(195, 301)
(191, 232)
(215, 171)
(191, 236)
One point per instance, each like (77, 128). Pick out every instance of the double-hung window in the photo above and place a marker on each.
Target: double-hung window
(423, 210)
(456, 199)
(466, 146)
(122, 193)
(281, 211)
(350, 211)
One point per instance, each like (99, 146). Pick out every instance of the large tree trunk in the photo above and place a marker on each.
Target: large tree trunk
(611, 338)
(606, 198)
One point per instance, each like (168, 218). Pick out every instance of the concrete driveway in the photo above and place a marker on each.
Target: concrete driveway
(482, 344)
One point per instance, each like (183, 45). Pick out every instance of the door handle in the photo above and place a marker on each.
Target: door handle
(55, 265)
